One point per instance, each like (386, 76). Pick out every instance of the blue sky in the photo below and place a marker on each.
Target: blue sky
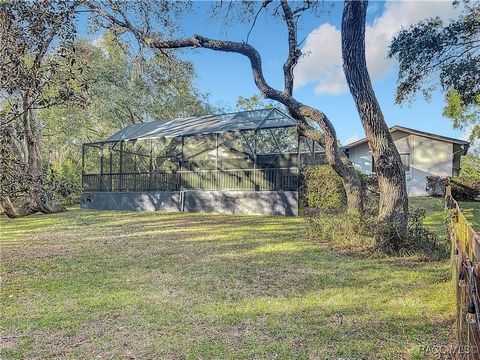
(228, 76)
(319, 78)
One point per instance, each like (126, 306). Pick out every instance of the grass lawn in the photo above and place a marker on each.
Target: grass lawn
(87, 284)
(435, 216)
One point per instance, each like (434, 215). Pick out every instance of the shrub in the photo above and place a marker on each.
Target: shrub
(322, 190)
(470, 165)
(66, 181)
(421, 240)
(436, 185)
(465, 188)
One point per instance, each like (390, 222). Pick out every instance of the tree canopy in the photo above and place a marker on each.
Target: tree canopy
(59, 91)
(434, 53)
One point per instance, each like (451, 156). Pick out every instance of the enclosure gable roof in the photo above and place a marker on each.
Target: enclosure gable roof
(207, 124)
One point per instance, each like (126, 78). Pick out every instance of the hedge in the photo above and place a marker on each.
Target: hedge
(322, 190)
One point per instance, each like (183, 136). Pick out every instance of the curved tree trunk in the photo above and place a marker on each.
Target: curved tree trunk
(39, 198)
(328, 140)
(7, 207)
(300, 111)
(335, 157)
(393, 207)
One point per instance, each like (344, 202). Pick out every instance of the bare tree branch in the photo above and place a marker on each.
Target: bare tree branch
(264, 5)
(298, 110)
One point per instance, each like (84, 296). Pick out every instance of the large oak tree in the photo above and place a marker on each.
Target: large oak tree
(393, 206)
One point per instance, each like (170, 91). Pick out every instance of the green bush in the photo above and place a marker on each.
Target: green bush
(470, 165)
(465, 188)
(422, 241)
(66, 181)
(322, 191)
(436, 185)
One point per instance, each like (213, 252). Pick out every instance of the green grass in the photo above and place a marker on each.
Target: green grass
(88, 284)
(435, 216)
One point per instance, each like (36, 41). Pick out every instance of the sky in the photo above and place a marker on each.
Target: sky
(319, 79)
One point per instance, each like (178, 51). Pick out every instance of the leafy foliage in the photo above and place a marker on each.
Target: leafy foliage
(470, 166)
(431, 49)
(464, 116)
(122, 89)
(252, 103)
(14, 177)
(465, 188)
(38, 66)
(423, 241)
(436, 185)
(322, 190)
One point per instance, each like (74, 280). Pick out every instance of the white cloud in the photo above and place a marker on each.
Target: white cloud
(322, 63)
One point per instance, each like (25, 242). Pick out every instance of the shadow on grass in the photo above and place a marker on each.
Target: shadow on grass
(149, 285)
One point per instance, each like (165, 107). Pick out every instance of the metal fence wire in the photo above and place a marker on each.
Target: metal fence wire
(466, 277)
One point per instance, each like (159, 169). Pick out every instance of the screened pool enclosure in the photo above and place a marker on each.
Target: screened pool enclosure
(251, 151)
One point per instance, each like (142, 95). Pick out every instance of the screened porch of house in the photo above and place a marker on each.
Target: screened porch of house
(249, 150)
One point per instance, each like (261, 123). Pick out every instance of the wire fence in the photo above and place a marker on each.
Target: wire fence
(466, 276)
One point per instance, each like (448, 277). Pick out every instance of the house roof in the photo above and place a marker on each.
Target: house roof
(416, 132)
(207, 124)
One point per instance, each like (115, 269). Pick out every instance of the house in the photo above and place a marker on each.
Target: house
(423, 154)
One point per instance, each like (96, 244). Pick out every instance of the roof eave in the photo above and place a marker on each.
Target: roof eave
(417, 132)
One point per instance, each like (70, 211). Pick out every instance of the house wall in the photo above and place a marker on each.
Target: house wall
(427, 157)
